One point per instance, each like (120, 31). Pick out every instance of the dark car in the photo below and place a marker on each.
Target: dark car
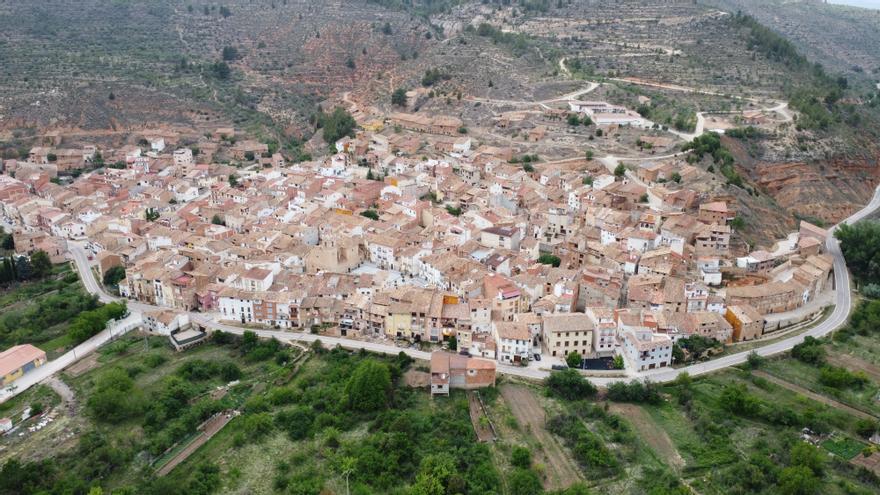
(465, 353)
(537, 357)
(558, 367)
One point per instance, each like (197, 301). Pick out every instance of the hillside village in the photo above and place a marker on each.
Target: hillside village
(413, 231)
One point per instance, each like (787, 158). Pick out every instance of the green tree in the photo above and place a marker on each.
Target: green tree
(435, 474)
(113, 276)
(371, 214)
(573, 359)
(549, 259)
(620, 170)
(217, 220)
(521, 457)
(221, 70)
(569, 384)
(151, 215)
(737, 399)
(809, 351)
(114, 398)
(808, 456)
(524, 482)
(369, 387)
(336, 125)
(754, 360)
(398, 97)
(233, 180)
(230, 53)
(675, 177)
(41, 264)
(798, 480)
(738, 223)
(860, 244)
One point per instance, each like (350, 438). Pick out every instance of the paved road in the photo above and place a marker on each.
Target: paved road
(837, 319)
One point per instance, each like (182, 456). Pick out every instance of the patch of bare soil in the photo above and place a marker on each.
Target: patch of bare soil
(84, 365)
(416, 379)
(650, 432)
(562, 471)
(872, 462)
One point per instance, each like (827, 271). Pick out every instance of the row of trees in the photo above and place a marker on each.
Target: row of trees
(90, 323)
(22, 268)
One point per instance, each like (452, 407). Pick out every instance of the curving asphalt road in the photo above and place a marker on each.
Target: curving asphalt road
(837, 319)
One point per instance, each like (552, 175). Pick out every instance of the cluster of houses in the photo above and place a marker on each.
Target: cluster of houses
(419, 234)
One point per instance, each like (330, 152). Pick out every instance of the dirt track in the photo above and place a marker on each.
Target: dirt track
(817, 397)
(562, 471)
(651, 433)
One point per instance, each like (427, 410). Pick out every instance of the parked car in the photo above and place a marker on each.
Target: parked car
(558, 367)
(537, 357)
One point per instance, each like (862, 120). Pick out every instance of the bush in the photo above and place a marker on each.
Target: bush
(550, 259)
(755, 360)
(635, 391)
(369, 387)
(336, 125)
(589, 450)
(866, 427)
(114, 398)
(569, 384)
(113, 276)
(398, 97)
(837, 377)
(808, 456)
(371, 214)
(860, 244)
(736, 399)
(524, 482)
(809, 351)
(90, 323)
(257, 426)
(521, 457)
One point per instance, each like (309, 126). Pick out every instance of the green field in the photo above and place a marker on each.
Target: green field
(39, 312)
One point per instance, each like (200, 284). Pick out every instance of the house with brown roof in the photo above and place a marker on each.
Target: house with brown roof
(565, 333)
(456, 371)
(18, 360)
(513, 341)
(746, 321)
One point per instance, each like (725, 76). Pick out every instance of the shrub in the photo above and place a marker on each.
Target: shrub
(569, 384)
(837, 377)
(635, 391)
(521, 457)
(549, 259)
(369, 387)
(809, 351)
(736, 399)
